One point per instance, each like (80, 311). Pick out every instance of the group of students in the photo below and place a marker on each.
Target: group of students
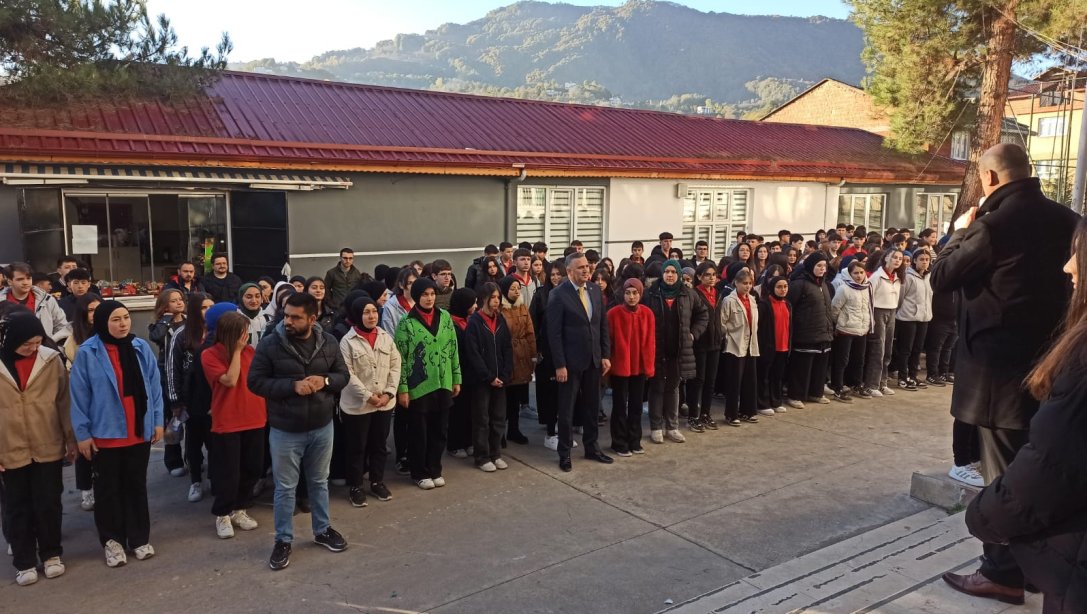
(303, 380)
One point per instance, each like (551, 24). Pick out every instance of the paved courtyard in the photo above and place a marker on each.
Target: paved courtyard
(642, 535)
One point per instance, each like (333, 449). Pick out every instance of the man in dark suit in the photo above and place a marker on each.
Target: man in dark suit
(1005, 260)
(577, 332)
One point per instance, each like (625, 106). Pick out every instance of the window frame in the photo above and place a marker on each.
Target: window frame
(576, 192)
(867, 198)
(960, 145)
(1057, 127)
(941, 223)
(713, 224)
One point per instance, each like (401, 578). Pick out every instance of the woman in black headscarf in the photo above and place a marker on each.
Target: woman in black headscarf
(117, 415)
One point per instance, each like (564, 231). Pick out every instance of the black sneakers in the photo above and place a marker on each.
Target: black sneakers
(330, 539)
(281, 556)
(709, 423)
(357, 496)
(381, 491)
(695, 425)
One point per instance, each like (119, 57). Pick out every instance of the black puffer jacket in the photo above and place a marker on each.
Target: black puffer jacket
(487, 355)
(812, 324)
(713, 338)
(1039, 505)
(693, 318)
(538, 312)
(276, 367)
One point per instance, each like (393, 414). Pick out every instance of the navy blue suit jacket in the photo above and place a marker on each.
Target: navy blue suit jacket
(577, 342)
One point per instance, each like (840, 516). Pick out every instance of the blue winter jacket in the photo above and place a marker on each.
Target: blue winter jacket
(96, 402)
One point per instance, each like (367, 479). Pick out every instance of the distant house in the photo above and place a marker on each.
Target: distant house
(1051, 107)
(276, 170)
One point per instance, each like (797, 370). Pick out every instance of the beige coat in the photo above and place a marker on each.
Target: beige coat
(741, 339)
(373, 371)
(36, 423)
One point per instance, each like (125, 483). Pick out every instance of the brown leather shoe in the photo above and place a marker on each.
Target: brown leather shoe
(979, 586)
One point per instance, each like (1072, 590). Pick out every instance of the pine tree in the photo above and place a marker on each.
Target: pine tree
(57, 50)
(934, 64)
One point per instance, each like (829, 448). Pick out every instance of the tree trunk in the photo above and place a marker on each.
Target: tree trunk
(992, 98)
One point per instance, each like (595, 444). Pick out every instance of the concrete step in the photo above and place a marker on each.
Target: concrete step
(859, 574)
(940, 490)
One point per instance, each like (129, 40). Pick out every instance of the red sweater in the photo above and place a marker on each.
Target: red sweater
(233, 408)
(633, 341)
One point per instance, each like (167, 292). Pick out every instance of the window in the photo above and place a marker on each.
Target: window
(713, 215)
(1048, 170)
(960, 145)
(862, 209)
(1051, 126)
(558, 215)
(1054, 97)
(934, 211)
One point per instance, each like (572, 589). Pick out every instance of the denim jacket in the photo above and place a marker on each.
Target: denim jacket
(96, 402)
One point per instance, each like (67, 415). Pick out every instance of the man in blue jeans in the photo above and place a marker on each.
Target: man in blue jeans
(298, 369)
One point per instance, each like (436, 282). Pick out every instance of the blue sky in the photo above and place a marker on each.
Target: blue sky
(292, 30)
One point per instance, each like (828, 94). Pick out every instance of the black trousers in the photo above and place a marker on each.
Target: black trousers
(235, 461)
(84, 473)
(172, 457)
(460, 423)
(847, 358)
(427, 421)
(998, 449)
(909, 342)
(579, 396)
(807, 370)
(626, 412)
(365, 447)
(514, 397)
(771, 367)
(741, 385)
(700, 388)
(965, 444)
(547, 398)
(939, 344)
(489, 405)
(33, 509)
(337, 466)
(120, 495)
(197, 434)
(401, 441)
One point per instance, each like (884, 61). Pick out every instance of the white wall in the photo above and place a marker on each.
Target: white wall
(642, 208)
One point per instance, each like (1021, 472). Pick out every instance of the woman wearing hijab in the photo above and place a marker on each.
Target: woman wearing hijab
(515, 312)
(775, 343)
(37, 428)
(461, 306)
(250, 306)
(680, 318)
(813, 331)
(430, 378)
(274, 309)
(366, 403)
(116, 400)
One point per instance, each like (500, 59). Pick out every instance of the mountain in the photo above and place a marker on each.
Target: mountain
(645, 53)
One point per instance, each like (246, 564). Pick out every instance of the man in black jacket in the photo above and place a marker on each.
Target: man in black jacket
(222, 285)
(1013, 294)
(298, 369)
(577, 333)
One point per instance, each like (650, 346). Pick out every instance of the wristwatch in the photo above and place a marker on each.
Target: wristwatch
(326, 381)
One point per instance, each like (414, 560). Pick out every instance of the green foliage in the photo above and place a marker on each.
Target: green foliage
(925, 57)
(644, 54)
(57, 50)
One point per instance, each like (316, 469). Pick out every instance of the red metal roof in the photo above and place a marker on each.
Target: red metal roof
(253, 119)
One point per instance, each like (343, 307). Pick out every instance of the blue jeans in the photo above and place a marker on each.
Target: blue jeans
(310, 451)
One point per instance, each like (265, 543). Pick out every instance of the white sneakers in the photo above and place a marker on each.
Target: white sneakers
(551, 442)
(180, 471)
(794, 403)
(822, 400)
(26, 577)
(196, 493)
(459, 453)
(439, 482)
(656, 436)
(968, 475)
(223, 528)
(242, 520)
(144, 552)
(780, 410)
(501, 464)
(676, 436)
(86, 500)
(876, 392)
(115, 554)
(425, 484)
(488, 467)
(887, 392)
(53, 567)
(766, 412)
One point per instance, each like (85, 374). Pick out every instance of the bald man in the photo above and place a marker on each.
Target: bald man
(1005, 260)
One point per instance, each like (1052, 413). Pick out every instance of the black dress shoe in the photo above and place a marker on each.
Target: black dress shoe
(565, 464)
(978, 585)
(600, 457)
(517, 437)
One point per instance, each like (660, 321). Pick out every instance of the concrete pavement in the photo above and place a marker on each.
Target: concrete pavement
(678, 523)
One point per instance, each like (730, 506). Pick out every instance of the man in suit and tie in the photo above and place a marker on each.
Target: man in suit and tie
(577, 332)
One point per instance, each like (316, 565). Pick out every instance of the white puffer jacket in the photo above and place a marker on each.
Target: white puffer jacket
(916, 302)
(851, 309)
(49, 313)
(374, 370)
(885, 291)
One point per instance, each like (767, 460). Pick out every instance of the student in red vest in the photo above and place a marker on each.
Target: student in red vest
(632, 329)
